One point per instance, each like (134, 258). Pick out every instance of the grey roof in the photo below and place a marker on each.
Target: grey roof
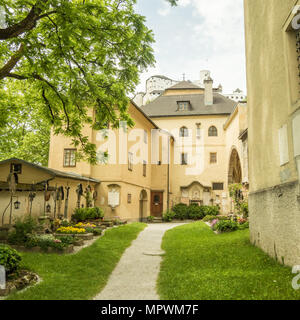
(165, 106)
(53, 172)
(184, 85)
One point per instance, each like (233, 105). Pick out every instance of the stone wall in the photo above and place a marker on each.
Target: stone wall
(275, 222)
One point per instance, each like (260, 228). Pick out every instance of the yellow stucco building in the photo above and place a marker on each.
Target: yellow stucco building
(272, 50)
(184, 147)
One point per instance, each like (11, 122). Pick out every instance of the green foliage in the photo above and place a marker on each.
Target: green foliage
(68, 277)
(46, 241)
(168, 216)
(97, 231)
(10, 259)
(244, 225)
(150, 218)
(193, 211)
(226, 226)
(76, 55)
(25, 131)
(196, 259)
(181, 211)
(83, 214)
(240, 203)
(23, 227)
(210, 218)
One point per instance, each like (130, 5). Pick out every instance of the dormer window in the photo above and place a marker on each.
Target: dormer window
(183, 105)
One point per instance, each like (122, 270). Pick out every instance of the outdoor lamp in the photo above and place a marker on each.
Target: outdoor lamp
(17, 204)
(48, 208)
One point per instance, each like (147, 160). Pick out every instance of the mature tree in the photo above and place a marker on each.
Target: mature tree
(75, 55)
(26, 130)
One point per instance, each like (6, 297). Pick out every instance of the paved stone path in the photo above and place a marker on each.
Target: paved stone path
(134, 277)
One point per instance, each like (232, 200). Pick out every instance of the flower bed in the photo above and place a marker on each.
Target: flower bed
(70, 230)
(16, 279)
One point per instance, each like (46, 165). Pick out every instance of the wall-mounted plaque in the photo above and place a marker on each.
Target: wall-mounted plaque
(113, 198)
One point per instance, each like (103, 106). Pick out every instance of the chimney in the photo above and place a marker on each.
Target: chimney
(208, 91)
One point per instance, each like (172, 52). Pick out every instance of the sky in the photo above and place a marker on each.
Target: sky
(197, 35)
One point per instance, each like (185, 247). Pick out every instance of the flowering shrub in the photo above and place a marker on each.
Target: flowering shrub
(85, 225)
(242, 220)
(70, 230)
(214, 222)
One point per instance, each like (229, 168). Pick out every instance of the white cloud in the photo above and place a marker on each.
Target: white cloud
(165, 9)
(209, 35)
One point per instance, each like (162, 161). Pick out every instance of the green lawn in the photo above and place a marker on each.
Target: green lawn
(82, 275)
(200, 265)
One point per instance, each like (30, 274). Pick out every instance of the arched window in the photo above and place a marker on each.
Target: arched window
(183, 132)
(212, 131)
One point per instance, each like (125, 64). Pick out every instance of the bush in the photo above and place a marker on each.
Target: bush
(10, 259)
(22, 229)
(97, 231)
(83, 214)
(210, 218)
(244, 209)
(244, 226)
(211, 210)
(168, 216)
(181, 211)
(196, 212)
(150, 218)
(226, 226)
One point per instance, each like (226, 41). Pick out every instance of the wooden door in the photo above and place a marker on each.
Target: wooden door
(156, 203)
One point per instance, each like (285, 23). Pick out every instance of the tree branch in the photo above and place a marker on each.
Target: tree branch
(28, 23)
(4, 71)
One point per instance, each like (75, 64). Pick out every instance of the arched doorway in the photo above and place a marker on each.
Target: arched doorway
(235, 168)
(143, 204)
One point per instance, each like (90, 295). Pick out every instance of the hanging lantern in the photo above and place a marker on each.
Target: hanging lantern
(48, 208)
(17, 204)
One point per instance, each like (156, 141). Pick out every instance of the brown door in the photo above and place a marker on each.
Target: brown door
(156, 203)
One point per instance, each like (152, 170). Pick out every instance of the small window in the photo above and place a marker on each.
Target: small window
(16, 168)
(213, 157)
(130, 161)
(212, 131)
(184, 159)
(218, 186)
(69, 157)
(183, 132)
(183, 105)
(129, 198)
(144, 168)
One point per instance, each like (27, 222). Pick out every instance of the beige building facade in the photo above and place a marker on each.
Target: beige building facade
(184, 147)
(169, 156)
(272, 49)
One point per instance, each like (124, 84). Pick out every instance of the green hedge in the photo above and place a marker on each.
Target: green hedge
(193, 211)
(83, 214)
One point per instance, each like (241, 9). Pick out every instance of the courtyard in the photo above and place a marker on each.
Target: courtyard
(193, 263)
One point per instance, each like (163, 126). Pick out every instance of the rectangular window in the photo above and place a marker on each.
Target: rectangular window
(184, 159)
(129, 198)
(16, 168)
(144, 168)
(69, 157)
(213, 157)
(130, 161)
(218, 186)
